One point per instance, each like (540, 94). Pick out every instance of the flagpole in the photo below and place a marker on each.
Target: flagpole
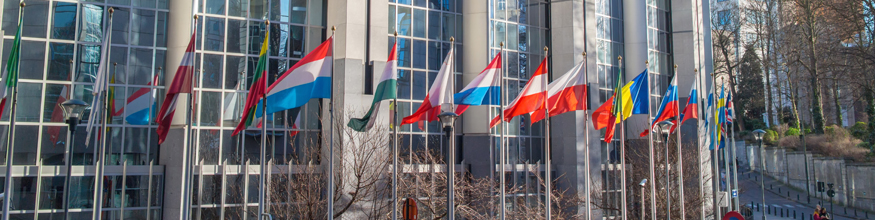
(10, 140)
(715, 169)
(502, 158)
(622, 143)
(586, 141)
(725, 151)
(699, 141)
(188, 148)
(652, 165)
(394, 143)
(451, 146)
(331, 134)
(101, 157)
(732, 153)
(680, 155)
(263, 171)
(68, 157)
(548, 180)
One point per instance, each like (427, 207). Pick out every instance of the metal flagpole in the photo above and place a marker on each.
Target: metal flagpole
(622, 143)
(262, 179)
(331, 134)
(548, 180)
(700, 141)
(726, 156)
(715, 169)
(502, 158)
(451, 138)
(188, 144)
(101, 157)
(652, 165)
(734, 162)
(68, 155)
(394, 144)
(680, 154)
(586, 141)
(10, 140)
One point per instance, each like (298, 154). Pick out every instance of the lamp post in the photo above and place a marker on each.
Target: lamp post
(758, 134)
(643, 182)
(448, 119)
(72, 111)
(665, 130)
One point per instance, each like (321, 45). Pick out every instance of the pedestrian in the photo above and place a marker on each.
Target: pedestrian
(820, 213)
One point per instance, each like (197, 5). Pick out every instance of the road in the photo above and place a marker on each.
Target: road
(752, 192)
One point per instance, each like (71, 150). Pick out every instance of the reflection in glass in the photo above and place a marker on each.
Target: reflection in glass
(53, 145)
(210, 108)
(140, 66)
(64, 21)
(36, 21)
(238, 8)
(143, 28)
(33, 55)
(212, 71)
(208, 147)
(403, 19)
(120, 25)
(214, 32)
(24, 195)
(236, 36)
(216, 7)
(60, 55)
(136, 146)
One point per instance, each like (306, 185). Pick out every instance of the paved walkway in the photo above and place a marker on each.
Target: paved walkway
(781, 206)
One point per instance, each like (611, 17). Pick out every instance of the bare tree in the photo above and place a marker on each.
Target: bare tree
(727, 42)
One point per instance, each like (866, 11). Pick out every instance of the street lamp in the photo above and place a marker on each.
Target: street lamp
(758, 134)
(448, 119)
(72, 111)
(665, 130)
(643, 182)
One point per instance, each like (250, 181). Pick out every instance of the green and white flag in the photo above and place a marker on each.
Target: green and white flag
(10, 74)
(386, 90)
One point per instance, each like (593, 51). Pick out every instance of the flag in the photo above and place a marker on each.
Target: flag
(232, 106)
(11, 71)
(485, 89)
(140, 104)
(111, 98)
(668, 109)
(636, 98)
(692, 108)
(181, 84)
(530, 99)
(730, 110)
(568, 93)
(58, 116)
(308, 79)
(100, 84)
(602, 116)
(386, 90)
(251, 109)
(296, 122)
(440, 93)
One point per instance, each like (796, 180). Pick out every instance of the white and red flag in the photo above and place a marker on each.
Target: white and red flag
(181, 84)
(566, 94)
(531, 98)
(440, 93)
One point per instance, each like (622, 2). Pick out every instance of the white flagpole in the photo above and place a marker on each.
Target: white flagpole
(331, 134)
(586, 142)
(622, 146)
(548, 180)
(715, 169)
(652, 163)
(732, 157)
(101, 157)
(262, 179)
(394, 143)
(679, 149)
(451, 139)
(502, 158)
(188, 149)
(10, 140)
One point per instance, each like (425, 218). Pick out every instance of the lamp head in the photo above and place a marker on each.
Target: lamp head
(73, 108)
(665, 126)
(643, 182)
(448, 119)
(758, 134)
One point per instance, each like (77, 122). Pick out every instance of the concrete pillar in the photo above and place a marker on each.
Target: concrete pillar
(172, 151)
(475, 31)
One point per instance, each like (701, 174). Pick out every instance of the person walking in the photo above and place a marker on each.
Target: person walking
(820, 213)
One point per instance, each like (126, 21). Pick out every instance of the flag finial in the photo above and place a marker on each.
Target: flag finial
(546, 49)
(452, 39)
(22, 4)
(114, 64)
(333, 28)
(396, 33)
(675, 66)
(620, 57)
(584, 53)
(501, 44)
(159, 68)
(71, 60)
(266, 22)
(647, 62)
(696, 70)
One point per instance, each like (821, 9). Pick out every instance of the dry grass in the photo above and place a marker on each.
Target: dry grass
(836, 143)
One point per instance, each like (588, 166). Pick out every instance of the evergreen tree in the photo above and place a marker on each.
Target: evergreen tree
(750, 100)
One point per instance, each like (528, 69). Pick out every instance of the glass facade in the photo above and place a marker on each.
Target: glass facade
(609, 41)
(61, 43)
(229, 36)
(661, 67)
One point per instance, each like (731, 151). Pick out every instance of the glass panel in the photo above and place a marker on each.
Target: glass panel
(404, 81)
(434, 56)
(212, 71)
(236, 36)
(419, 23)
(120, 25)
(214, 7)
(33, 55)
(403, 52)
(512, 37)
(256, 36)
(391, 19)
(214, 33)
(160, 35)
(403, 19)
(434, 25)
(64, 20)
(24, 193)
(419, 54)
(296, 43)
(53, 145)
(258, 9)
(498, 33)
(299, 11)
(210, 108)
(239, 8)
(60, 55)
(51, 193)
(143, 30)
(140, 66)
(279, 11)
(235, 67)
(37, 19)
(420, 85)
(10, 16)
(279, 40)
(212, 191)
(136, 146)
(28, 91)
(447, 26)
(315, 12)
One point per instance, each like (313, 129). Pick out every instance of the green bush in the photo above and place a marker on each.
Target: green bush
(865, 145)
(859, 130)
(830, 130)
(771, 137)
(792, 132)
(809, 131)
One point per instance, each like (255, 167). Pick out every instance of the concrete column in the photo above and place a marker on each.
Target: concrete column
(475, 32)
(172, 151)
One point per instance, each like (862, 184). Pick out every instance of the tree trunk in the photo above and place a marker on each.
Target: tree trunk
(870, 110)
(794, 95)
(816, 103)
(838, 103)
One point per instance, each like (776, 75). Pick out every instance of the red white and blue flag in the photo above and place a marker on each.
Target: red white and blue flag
(668, 109)
(485, 89)
(138, 109)
(692, 108)
(439, 94)
(530, 99)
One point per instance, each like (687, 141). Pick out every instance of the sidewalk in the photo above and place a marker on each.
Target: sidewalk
(778, 189)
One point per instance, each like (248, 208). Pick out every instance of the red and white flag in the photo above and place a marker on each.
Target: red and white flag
(440, 93)
(568, 93)
(181, 84)
(57, 116)
(531, 98)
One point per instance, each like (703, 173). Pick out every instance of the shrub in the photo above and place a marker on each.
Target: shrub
(771, 137)
(859, 130)
(809, 131)
(792, 132)
(865, 145)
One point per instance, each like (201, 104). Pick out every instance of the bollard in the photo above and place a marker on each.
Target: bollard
(782, 212)
(855, 213)
(769, 210)
(797, 197)
(779, 190)
(770, 186)
(846, 210)
(794, 214)
(788, 195)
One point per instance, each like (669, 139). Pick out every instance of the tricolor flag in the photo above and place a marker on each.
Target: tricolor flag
(251, 110)
(485, 89)
(140, 104)
(440, 93)
(668, 109)
(310, 78)
(568, 93)
(296, 123)
(634, 100)
(530, 99)
(386, 90)
(730, 110)
(692, 108)
(181, 84)
(11, 71)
